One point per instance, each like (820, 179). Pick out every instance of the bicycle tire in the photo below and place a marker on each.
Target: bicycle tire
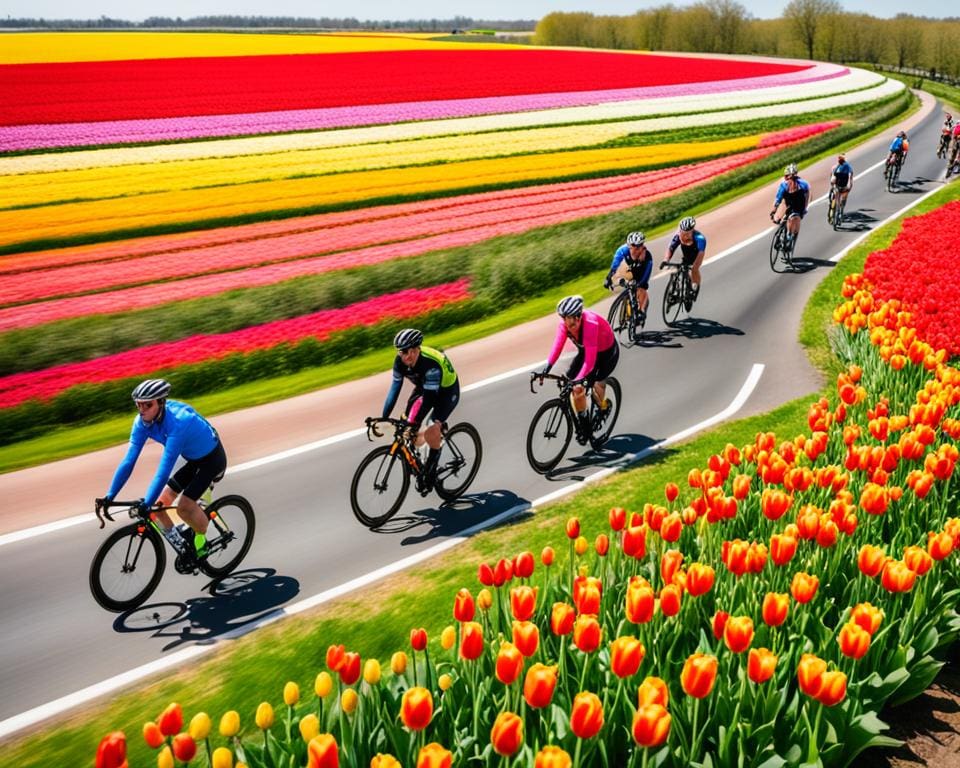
(831, 207)
(393, 462)
(778, 252)
(103, 582)
(225, 515)
(620, 317)
(557, 429)
(672, 300)
(597, 440)
(838, 214)
(447, 469)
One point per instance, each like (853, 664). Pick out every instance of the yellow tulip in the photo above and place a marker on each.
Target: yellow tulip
(323, 684)
(371, 671)
(445, 682)
(584, 570)
(448, 638)
(230, 724)
(309, 727)
(165, 758)
(580, 545)
(349, 700)
(200, 726)
(384, 761)
(264, 716)
(291, 694)
(484, 599)
(223, 758)
(398, 663)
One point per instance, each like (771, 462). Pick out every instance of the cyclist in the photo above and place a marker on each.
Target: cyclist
(436, 387)
(794, 193)
(899, 148)
(946, 133)
(639, 265)
(184, 433)
(597, 356)
(693, 245)
(841, 178)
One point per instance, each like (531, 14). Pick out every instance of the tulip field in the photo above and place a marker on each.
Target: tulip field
(761, 612)
(215, 208)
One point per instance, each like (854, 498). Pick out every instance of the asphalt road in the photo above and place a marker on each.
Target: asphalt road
(55, 640)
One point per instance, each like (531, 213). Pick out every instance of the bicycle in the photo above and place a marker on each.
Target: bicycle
(128, 566)
(555, 422)
(678, 293)
(835, 207)
(953, 165)
(382, 480)
(625, 314)
(891, 172)
(782, 246)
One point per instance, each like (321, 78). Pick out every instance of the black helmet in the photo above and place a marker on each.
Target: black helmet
(571, 306)
(407, 339)
(151, 389)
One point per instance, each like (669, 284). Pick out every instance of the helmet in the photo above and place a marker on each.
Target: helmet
(947, 116)
(790, 170)
(687, 223)
(636, 238)
(571, 306)
(151, 389)
(902, 134)
(407, 339)
(842, 156)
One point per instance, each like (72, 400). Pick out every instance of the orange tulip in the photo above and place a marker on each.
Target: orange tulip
(350, 668)
(761, 664)
(640, 601)
(810, 674)
(322, 752)
(587, 634)
(651, 725)
(507, 734)
(112, 751)
(381, 760)
(700, 579)
(897, 577)
(867, 617)
(152, 735)
(416, 708)
(464, 608)
(418, 639)
(573, 528)
(586, 716)
(602, 544)
(526, 636)
(471, 640)
(720, 619)
(626, 653)
(671, 527)
(547, 556)
(635, 541)
(804, 587)
(854, 640)
(523, 565)
(509, 663)
(940, 545)
(552, 757)
(874, 499)
(434, 756)
(871, 560)
(670, 597)
(561, 619)
(917, 560)
(698, 675)
(671, 491)
(653, 690)
(776, 605)
(523, 602)
(738, 633)
(782, 548)
(539, 684)
(774, 503)
(670, 563)
(184, 747)
(741, 486)
(580, 545)
(618, 518)
(587, 592)
(833, 688)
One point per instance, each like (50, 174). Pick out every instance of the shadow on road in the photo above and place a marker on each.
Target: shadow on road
(687, 328)
(859, 220)
(802, 264)
(913, 186)
(615, 451)
(238, 599)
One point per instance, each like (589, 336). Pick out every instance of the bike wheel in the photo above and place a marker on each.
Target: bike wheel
(603, 426)
(379, 486)
(620, 317)
(127, 568)
(838, 214)
(777, 254)
(459, 461)
(548, 436)
(229, 535)
(672, 300)
(831, 208)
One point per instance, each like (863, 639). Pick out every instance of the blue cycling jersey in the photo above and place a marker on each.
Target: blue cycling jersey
(843, 172)
(182, 431)
(690, 251)
(897, 144)
(796, 200)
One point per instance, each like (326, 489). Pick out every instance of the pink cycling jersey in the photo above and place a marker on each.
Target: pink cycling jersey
(596, 335)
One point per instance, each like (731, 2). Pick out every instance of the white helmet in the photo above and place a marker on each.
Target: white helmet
(636, 238)
(408, 338)
(687, 223)
(571, 306)
(151, 389)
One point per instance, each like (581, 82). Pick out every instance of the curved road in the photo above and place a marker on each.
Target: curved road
(56, 641)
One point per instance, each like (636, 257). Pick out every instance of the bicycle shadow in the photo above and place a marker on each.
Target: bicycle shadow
(913, 186)
(616, 450)
(236, 600)
(802, 264)
(690, 328)
(857, 221)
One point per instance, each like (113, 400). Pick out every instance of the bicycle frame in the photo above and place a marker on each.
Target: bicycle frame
(102, 511)
(402, 442)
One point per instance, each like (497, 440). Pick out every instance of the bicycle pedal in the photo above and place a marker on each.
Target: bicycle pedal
(186, 564)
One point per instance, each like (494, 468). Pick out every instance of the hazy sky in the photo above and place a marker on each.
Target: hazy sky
(137, 10)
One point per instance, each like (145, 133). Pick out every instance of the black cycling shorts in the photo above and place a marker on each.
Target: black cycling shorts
(606, 361)
(640, 271)
(197, 475)
(446, 401)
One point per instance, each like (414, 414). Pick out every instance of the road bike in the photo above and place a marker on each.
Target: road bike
(835, 206)
(782, 246)
(128, 566)
(891, 172)
(382, 480)
(555, 422)
(625, 316)
(679, 292)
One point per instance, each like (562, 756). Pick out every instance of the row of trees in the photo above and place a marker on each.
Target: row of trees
(813, 29)
(263, 22)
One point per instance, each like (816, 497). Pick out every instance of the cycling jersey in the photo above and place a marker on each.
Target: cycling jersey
(594, 337)
(690, 251)
(797, 200)
(639, 269)
(181, 430)
(842, 173)
(432, 375)
(897, 145)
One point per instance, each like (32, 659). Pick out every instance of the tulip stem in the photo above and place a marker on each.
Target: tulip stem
(576, 754)
(696, 736)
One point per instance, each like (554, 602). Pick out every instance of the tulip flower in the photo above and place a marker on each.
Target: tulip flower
(720, 619)
(562, 618)
(587, 633)
(854, 640)
(617, 518)
(484, 599)
(602, 544)
(485, 575)
(635, 541)
(653, 690)
(200, 726)
(509, 663)
(897, 577)
(523, 565)
(539, 684)
(573, 528)
(384, 761)
(463, 606)
(309, 727)
(222, 758)
(640, 601)
(323, 684)
(917, 560)
(738, 633)
(867, 617)
(434, 756)
(670, 598)
(448, 638)
(502, 572)
(165, 758)
(700, 579)
(871, 560)
(523, 602)
(371, 671)
(322, 752)
(587, 592)
(940, 545)
(804, 587)
(264, 716)
(776, 605)
(416, 708)
(418, 639)
(184, 747)
(552, 757)
(761, 664)
(833, 688)
(152, 735)
(526, 637)
(547, 556)
(171, 720)
(580, 545)
(506, 736)
(651, 725)
(230, 724)
(112, 751)
(586, 716)
(782, 548)
(626, 653)
(350, 668)
(471, 640)
(445, 682)
(349, 700)
(810, 674)
(741, 486)
(774, 503)
(335, 654)
(698, 675)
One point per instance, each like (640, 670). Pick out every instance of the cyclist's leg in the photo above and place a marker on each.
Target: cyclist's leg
(192, 481)
(643, 285)
(793, 223)
(695, 273)
(447, 400)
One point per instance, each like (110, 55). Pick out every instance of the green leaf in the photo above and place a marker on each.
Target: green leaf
(865, 732)
(774, 761)
(921, 675)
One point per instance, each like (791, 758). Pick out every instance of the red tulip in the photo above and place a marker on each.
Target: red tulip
(586, 716)
(434, 756)
(587, 634)
(184, 747)
(350, 669)
(618, 518)
(810, 674)
(587, 591)
(635, 542)
(485, 575)
(833, 688)
(526, 636)
(471, 640)
(416, 708)
(171, 720)
(539, 684)
(854, 640)
(602, 544)
(776, 605)
(782, 548)
(738, 633)
(523, 565)
(761, 664)
(720, 619)
(698, 675)
(322, 752)
(112, 751)
(507, 734)
(152, 735)
(700, 579)
(573, 528)
(547, 556)
(651, 725)
(670, 598)
(626, 653)
(804, 587)
(418, 639)
(871, 560)
(509, 663)
(653, 690)
(867, 617)
(561, 619)
(670, 563)
(897, 577)
(464, 609)
(523, 602)
(640, 601)
(671, 491)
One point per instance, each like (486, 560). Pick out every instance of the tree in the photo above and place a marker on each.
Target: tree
(907, 40)
(806, 17)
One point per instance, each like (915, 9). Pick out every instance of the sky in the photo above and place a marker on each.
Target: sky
(373, 10)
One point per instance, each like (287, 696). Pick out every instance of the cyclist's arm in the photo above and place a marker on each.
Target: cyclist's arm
(171, 452)
(617, 259)
(559, 340)
(701, 241)
(138, 438)
(393, 394)
(779, 196)
(591, 332)
(672, 247)
(428, 396)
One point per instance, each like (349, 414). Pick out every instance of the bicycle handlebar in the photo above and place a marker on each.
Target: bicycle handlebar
(673, 265)
(562, 381)
(102, 507)
(372, 422)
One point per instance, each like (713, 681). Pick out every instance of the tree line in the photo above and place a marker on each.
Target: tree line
(812, 29)
(457, 23)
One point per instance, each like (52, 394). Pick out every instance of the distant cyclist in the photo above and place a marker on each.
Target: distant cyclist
(794, 193)
(899, 148)
(638, 262)
(184, 433)
(693, 246)
(946, 133)
(597, 356)
(841, 178)
(436, 388)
